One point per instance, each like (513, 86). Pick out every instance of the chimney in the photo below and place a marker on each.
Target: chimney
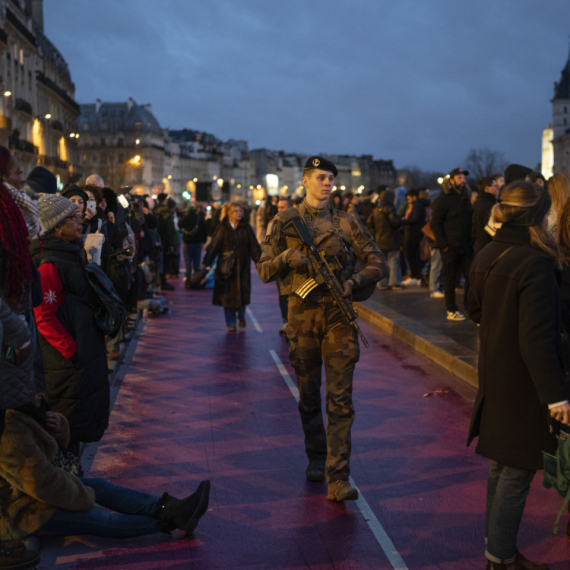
(35, 9)
(97, 105)
(130, 103)
(148, 107)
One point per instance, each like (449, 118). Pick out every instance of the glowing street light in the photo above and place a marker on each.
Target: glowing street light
(48, 115)
(220, 182)
(169, 177)
(7, 93)
(194, 180)
(440, 180)
(138, 141)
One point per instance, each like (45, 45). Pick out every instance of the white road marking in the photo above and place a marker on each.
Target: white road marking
(377, 529)
(253, 320)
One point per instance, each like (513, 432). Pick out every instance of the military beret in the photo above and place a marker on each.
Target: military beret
(320, 163)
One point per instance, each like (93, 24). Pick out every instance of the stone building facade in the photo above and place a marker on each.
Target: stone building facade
(38, 114)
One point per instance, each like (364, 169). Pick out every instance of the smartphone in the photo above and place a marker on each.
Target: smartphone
(123, 201)
(92, 205)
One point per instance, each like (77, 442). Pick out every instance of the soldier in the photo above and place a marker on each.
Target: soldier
(317, 329)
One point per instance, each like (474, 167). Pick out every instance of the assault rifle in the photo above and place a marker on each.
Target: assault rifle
(325, 274)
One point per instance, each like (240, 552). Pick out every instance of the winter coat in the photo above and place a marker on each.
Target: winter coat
(31, 488)
(520, 356)
(235, 291)
(481, 214)
(168, 235)
(384, 223)
(194, 227)
(451, 221)
(416, 221)
(73, 347)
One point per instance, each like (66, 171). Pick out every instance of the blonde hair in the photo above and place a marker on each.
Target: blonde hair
(516, 199)
(227, 209)
(564, 234)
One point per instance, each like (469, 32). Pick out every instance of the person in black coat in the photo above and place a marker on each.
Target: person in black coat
(194, 236)
(488, 194)
(514, 297)
(384, 224)
(233, 293)
(451, 221)
(72, 345)
(413, 235)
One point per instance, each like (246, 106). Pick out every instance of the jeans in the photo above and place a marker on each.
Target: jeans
(507, 490)
(193, 257)
(230, 314)
(134, 516)
(394, 270)
(435, 271)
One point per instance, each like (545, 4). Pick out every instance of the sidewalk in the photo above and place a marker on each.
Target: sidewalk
(413, 317)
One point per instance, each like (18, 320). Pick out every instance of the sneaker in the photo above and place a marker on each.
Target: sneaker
(455, 316)
(411, 282)
(437, 295)
(342, 491)
(316, 469)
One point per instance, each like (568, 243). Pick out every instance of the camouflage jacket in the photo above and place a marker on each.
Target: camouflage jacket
(338, 233)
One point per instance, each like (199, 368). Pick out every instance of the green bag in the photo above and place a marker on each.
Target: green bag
(557, 473)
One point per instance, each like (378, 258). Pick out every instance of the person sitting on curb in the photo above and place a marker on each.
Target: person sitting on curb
(41, 498)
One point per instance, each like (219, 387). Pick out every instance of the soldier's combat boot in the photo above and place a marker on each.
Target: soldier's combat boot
(316, 469)
(342, 491)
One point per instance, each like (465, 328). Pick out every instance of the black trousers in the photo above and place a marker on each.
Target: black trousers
(412, 253)
(454, 266)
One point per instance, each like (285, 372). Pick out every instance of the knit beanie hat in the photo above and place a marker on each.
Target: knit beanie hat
(53, 210)
(43, 178)
(74, 190)
(516, 172)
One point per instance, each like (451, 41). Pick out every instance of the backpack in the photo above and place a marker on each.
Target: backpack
(109, 309)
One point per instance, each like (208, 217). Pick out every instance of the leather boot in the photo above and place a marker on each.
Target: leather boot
(183, 513)
(316, 469)
(342, 491)
(19, 554)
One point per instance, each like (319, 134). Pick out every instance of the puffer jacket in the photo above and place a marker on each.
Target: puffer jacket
(384, 223)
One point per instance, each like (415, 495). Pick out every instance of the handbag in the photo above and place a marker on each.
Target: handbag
(227, 260)
(198, 279)
(68, 462)
(557, 473)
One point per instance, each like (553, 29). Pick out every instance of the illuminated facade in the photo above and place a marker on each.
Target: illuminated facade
(38, 116)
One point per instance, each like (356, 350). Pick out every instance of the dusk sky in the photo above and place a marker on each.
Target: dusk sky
(418, 81)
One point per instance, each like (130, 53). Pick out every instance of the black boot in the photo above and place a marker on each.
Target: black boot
(18, 554)
(184, 513)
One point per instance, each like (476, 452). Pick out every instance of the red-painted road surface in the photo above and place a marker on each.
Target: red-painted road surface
(200, 403)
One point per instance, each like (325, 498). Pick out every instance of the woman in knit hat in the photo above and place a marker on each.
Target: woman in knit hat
(73, 347)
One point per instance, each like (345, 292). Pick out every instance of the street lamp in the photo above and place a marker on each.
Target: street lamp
(48, 115)
(7, 93)
(220, 182)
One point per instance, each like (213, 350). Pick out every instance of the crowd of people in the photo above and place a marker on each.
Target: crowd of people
(77, 262)
(74, 265)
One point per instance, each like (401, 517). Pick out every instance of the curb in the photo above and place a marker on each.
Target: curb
(440, 356)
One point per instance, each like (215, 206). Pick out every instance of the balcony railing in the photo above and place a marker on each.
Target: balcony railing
(24, 146)
(21, 105)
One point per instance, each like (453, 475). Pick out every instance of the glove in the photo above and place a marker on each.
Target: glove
(296, 259)
(348, 285)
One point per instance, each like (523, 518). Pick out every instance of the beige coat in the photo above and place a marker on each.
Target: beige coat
(31, 488)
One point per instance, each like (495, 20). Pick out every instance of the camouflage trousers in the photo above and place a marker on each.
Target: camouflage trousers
(318, 332)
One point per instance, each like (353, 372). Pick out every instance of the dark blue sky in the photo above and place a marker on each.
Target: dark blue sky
(418, 81)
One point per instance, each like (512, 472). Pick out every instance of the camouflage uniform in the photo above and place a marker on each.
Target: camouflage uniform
(317, 329)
